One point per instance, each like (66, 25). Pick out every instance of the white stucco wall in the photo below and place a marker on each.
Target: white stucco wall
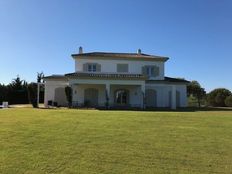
(183, 95)
(163, 94)
(111, 65)
(134, 87)
(50, 88)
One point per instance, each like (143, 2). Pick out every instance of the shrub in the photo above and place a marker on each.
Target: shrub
(228, 101)
(87, 103)
(217, 97)
(68, 92)
(195, 90)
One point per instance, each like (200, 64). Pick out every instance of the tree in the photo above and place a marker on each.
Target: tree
(40, 80)
(194, 89)
(17, 91)
(3, 93)
(228, 101)
(32, 94)
(218, 96)
(68, 92)
(40, 77)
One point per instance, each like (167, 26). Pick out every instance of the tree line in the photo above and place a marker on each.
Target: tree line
(219, 97)
(19, 91)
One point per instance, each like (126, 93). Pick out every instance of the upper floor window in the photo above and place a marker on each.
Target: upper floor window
(151, 71)
(92, 67)
(122, 68)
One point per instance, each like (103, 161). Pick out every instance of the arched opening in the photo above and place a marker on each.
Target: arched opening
(121, 97)
(151, 98)
(60, 96)
(91, 97)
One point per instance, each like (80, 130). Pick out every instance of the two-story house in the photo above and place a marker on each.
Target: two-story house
(118, 80)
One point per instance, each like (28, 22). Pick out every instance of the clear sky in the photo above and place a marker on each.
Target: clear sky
(40, 35)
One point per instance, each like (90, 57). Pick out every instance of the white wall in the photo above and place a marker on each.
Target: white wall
(163, 94)
(111, 65)
(183, 95)
(50, 87)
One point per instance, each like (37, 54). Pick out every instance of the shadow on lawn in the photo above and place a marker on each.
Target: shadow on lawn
(188, 109)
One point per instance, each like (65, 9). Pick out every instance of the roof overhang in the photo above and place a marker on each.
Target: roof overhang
(56, 78)
(168, 80)
(112, 76)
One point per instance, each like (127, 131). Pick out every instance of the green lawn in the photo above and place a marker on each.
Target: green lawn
(90, 141)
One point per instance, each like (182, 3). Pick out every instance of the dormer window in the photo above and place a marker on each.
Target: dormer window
(92, 67)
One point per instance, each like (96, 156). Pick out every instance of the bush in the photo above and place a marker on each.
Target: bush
(32, 94)
(87, 103)
(228, 101)
(68, 92)
(217, 97)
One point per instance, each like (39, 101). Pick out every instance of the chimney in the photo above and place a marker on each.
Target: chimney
(80, 50)
(139, 51)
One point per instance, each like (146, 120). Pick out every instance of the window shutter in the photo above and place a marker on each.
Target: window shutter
(85, 67)
(144, 70)
(98, 66)
(122, 68)
(156, 71)
(152, 71)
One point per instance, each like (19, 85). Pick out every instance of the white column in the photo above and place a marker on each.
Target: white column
(45, 96)
(173, 96)
(143, 105)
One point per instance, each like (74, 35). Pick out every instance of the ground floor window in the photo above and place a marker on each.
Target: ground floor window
(121, 97)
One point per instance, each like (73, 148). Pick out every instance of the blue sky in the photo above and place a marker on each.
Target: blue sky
(40, 35)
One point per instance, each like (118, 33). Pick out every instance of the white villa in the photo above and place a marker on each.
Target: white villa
(117, 80)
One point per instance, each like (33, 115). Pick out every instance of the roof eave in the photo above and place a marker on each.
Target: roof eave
(157, 58)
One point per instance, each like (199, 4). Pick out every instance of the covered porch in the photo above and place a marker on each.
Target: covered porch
(108, 93)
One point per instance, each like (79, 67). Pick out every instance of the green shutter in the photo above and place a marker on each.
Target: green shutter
(156, 71)
(85, 67)
(98, 66)
(152, 71)
(144, 70)
(122, 68)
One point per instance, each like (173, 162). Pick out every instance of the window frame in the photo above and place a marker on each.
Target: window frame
(92, 67)
(150, 71)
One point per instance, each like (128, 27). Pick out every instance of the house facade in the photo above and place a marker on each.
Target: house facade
(117, 80)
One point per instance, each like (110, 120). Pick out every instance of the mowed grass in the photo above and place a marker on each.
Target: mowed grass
(37, 141)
